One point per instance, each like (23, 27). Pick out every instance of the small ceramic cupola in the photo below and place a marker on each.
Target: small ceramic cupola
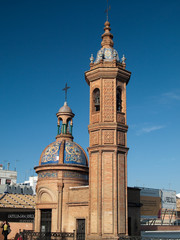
(65, 120)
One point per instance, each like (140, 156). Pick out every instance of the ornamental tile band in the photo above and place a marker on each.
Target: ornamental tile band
(47, 175)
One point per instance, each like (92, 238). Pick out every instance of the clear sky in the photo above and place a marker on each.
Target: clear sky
(45, 44)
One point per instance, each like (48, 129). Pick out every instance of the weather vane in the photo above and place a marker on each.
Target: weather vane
(107, 11)
(65, 89)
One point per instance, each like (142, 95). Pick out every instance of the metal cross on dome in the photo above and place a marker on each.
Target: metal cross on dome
(65, 89)
(107, 11)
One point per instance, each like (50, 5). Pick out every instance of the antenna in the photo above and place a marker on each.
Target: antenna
(65, 89)
(5, 161)
(16, 164)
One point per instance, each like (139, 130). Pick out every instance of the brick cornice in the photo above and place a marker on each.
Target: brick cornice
(111, 126)
(108, 148)
(58, 167)
(107, 73)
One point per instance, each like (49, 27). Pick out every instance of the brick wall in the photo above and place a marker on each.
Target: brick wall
(15, 227)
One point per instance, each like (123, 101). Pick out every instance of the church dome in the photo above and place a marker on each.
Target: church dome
(63, 152)
(65, 109)
(107, 54)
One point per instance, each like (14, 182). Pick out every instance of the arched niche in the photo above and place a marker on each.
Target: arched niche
(45, 195)
(96, 100)
(118, 99)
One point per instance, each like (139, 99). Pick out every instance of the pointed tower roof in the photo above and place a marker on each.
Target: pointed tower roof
(107, 36)
(107, 52)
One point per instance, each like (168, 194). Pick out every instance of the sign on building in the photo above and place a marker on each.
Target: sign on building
(168, 199)
(17, 216)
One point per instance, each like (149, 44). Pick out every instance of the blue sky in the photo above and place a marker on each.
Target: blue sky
(45, 44)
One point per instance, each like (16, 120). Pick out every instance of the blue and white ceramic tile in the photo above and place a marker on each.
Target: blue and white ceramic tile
(107, 54)
(47, 175)
(73, 154)
(51, 153)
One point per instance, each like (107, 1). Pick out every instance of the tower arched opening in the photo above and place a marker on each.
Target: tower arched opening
(69, 125)
(96, 99)
(119, 99)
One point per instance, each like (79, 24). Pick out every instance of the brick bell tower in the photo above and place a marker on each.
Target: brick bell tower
(108, 150)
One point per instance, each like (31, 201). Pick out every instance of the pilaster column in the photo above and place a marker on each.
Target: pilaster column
(60, 199)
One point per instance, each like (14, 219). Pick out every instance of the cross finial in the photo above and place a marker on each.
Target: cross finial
(107, 11)
(65, 89)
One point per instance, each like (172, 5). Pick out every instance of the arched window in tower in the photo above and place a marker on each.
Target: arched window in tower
(119, 100)
(59, 124)
(96, 99)
(69, 126)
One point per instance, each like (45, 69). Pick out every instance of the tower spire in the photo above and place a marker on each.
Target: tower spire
(107, 37)
(107, 11)
(107, 52)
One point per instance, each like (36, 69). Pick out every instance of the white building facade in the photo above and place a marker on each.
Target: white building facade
(7, 176)
(32, 182)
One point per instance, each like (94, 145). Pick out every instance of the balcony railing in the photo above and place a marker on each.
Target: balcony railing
(30, 235)
(148, 238)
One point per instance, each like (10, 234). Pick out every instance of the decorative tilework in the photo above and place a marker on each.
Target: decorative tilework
(47, 175)
(107, 54)
(73, 154)
(51, 153)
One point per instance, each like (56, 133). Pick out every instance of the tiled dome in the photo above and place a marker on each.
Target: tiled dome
(107, 54)
(72, 153)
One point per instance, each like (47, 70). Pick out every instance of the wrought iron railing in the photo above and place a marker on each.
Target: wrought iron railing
(80, 236)
(147, 238)
(30, 235)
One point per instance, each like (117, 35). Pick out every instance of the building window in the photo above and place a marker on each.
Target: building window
(96, 99)
(119, 100)
(8, 181)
